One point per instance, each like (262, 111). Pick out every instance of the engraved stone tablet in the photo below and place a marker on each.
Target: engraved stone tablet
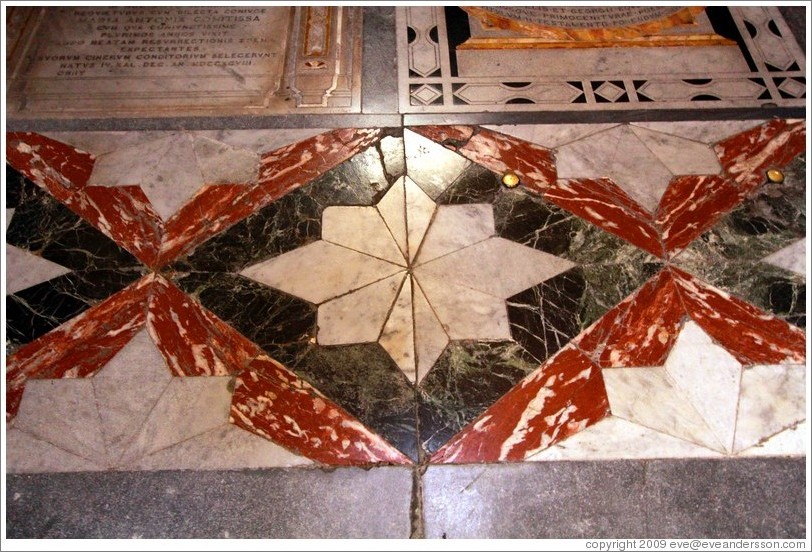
(81, 61)
(585, 17)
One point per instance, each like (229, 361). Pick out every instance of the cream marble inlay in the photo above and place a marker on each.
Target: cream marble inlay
(410, 275)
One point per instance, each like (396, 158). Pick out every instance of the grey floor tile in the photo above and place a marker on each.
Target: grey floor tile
(544, 500)
(303, 503)
(745, 498)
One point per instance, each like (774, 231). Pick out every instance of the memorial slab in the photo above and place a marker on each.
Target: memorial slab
(182, 61)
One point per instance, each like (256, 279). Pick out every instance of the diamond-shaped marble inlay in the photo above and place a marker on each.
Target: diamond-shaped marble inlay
(461, 274)
(609, 91)
(792, 87)
(426, 94)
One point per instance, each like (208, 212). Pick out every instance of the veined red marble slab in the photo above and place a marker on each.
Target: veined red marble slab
(640, 330)
(271, 401)
(210, 211)
(562, 397)
(194, 341)
(498, 152)
(691, 205)
(218, 207)
(80, 347)
(751, 335)
(606, 205)
(748, 155)
(59, 167)
(123, 213)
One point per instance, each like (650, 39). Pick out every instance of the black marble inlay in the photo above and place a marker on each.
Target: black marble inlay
(18, 188)
(35, 311)
(281, 324)
(364, 380)
(475, 184)
(730, 255)
(546, 317)
(467, 378)
(47, 228)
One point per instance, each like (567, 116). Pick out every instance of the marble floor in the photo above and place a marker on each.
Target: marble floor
(407, 297)
(639, 294)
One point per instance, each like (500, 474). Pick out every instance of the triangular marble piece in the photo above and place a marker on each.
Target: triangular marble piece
(432, 166)
(398, 333)
(223, 164)
(709, 377)
(649, 397)
(679, 155)
(126, 390)
(392, 207)
(24, 269)
(455, 227)
(361, 229)
(419, 211)
(27, 454)
(429, 335)
(791, 257)
(358, 317)
(222, 448)
(772, 399)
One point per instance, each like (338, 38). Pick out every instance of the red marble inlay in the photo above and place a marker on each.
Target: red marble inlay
(607, 206)
(639, 331)
(59, 167)
(751, 335)
(125, 214)
(209, 212)
(562, 397)
(80, 347)
(751, 153)
(288, 167)
(691, 205)
(194, 341)
(273, 402)
(497, 152)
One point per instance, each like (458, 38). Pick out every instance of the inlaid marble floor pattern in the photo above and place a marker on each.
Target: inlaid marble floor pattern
(234, 299)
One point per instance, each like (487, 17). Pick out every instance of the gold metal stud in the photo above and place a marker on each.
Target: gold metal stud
(510, 179)
(776, 176)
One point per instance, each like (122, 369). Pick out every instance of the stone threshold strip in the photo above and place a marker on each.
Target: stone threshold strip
(566, 394)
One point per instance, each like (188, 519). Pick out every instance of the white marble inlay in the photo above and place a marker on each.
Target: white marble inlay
(429, 334)
(679, 155)
(27, 454)
(790, 442)
(791, 257)
(466, 313)
(772, 399)
(455, 227)
(649, 397)
(362, 229)
(495, 266)
(98, 143)
(320, 271)
(419, 212)
(224, 447)
(614, 438)
(707, 132)
(261, 141)
(223, 164)
(424, 158)
(398, 333)
(188, 407)
(551, 136)
(392, 208)
(9, 214)
(126, 390)
(709, 377)
(166, 169)
(617, 154)
(24, 269)
(341, 321)
(63, 412)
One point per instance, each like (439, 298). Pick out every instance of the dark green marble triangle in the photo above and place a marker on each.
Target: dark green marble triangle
(45, 227)
(468, 377)
(282, 325)
(35, 311)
